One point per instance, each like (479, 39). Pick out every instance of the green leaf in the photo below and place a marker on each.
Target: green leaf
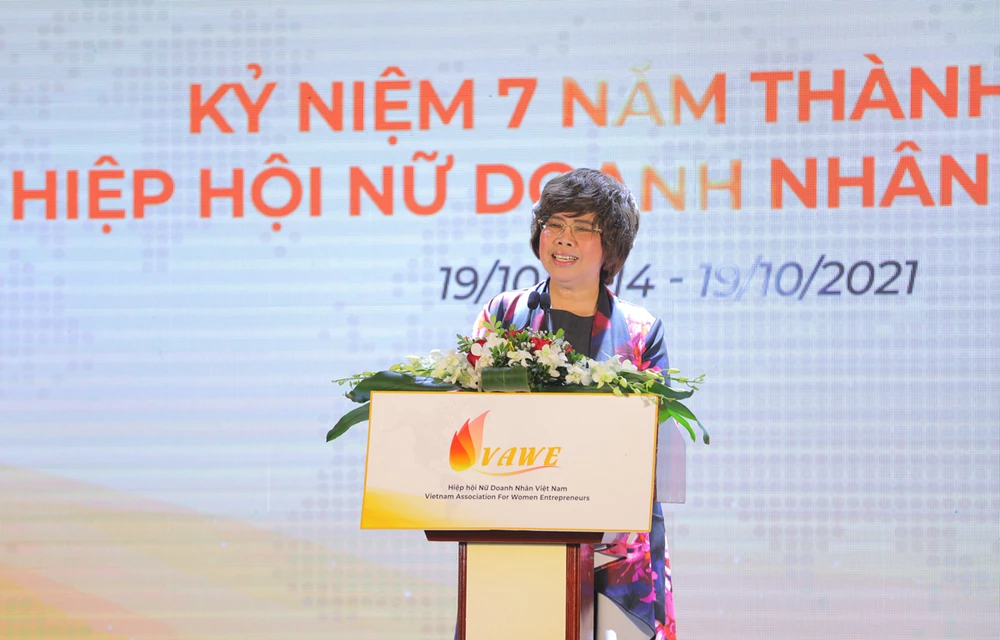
(505, 379)
(667, 412)
(575, 388)
(656, 387)
(348, 420)
(392, 381)
(661, 389)
(679, 408)
(687, 426)
(704, 432)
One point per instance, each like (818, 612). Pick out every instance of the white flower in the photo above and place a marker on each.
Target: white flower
(520, 357)
(468, 377)
(551, 359)
(448, 366)
(578, 374)
(484, 353)
(603, 372)
(626, 365)
(492, 340)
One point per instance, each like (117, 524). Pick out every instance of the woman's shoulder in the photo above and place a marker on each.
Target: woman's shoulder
(633, 312)
(505, 306)
(509, 299)
(645, 334)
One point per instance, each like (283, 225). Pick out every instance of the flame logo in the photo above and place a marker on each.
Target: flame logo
(466, 443)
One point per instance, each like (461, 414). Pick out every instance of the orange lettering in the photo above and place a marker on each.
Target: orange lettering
(253, 108)
(835, 182)
(527, 86)
(429, 98)
(651, 178)
(234, 192)
(652, 109)
(977, 90)
(139, 198)
(771, 80)
(807, 95)
(96, 194)
(199, 110)
(382, 105)
(877, 78)
(781, 175)
(734, 185)
(483, 172)
(907, 165)
(333, 115)
(921, 84)
(572, 93)
(48, 194)
(716, 91)
(359, 181)
(952, 171)
(257, 192)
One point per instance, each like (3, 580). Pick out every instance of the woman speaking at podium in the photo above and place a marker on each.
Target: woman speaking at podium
(582, 229)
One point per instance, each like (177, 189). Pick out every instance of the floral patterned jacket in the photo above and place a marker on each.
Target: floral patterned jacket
(636, 576)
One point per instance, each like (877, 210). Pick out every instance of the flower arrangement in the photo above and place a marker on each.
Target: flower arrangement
(521, 360)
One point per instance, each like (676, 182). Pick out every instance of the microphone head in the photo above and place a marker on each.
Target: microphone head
(533, 299)
(545, 300)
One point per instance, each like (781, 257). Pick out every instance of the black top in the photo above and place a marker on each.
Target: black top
(576, 329)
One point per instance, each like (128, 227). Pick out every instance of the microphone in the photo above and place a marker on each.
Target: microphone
(533, 301)
(545, 302)
(534, 298)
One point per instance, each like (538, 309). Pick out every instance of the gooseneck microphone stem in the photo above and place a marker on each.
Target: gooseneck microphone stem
(545, 301)
(533, 301)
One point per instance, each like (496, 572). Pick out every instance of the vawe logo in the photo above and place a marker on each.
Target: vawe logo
(467, 452)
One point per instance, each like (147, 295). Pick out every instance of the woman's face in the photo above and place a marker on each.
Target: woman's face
(571, 256)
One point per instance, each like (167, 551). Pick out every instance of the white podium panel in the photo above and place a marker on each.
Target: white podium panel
(505, 461)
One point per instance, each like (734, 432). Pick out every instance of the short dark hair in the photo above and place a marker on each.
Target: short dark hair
(584, 191)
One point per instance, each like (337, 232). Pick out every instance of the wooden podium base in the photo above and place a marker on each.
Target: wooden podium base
(519, 584)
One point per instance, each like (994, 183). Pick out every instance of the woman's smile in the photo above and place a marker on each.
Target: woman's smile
(563, 259)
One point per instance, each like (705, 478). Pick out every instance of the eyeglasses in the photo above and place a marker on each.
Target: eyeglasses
(580, 232)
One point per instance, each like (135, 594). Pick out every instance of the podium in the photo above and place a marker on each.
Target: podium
(543, 580)
(520, 482)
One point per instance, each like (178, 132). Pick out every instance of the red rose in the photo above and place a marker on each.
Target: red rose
(538, 343)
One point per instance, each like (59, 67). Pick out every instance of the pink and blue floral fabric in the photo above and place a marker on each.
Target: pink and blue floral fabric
(636, 574)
